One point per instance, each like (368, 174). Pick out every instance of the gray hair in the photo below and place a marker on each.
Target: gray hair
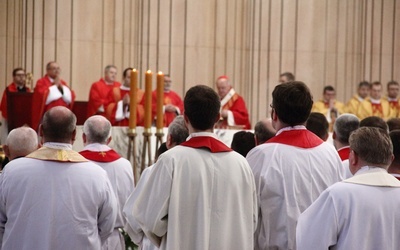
(97, 129)
(373, 145)
(178, 130)
(344, 125)
(108, 67)
(262, 132)
(22, 141)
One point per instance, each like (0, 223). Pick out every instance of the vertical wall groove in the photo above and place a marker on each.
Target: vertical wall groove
(55, 31)
(158, 36)
(337, 45)
(372, 41)
(295, 36)
(71, 45)
(184, 46)
(33, 37)
(170, 38)
(26, 36)
(393, 38)
(215, 39)
(381, 44)
(43, 38)
(148, 34)
(280, 38)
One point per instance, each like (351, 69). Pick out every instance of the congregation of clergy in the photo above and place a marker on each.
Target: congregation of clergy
(289, 190)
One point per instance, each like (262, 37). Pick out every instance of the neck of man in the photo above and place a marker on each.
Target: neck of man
(338, 145)
(108, 81)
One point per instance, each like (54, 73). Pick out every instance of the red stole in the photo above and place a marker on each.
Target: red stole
(301, 138)
(100, 156)
(394, 104)
(344, 153)
(377, 109)
(208, 142)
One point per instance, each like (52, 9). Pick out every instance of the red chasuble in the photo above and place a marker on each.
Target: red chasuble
(208, 142)
(344, 153)
(116, 95)
(39, 98)
(101, 156)
(99, 95)
(301, 138)
(170, 97)
(12, 87)
(240, 114)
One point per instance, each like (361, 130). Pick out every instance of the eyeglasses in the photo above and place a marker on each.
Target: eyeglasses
(20, 74)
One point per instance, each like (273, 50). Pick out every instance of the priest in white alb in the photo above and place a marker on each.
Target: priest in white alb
(200, 194)
(54, 198)
(361, 212)
(96, 137)
(291, 169)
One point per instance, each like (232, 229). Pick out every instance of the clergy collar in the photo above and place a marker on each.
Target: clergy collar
(58, 145)
(345, 147)
(97, 147)
(391, 99)
(123, 87)
(360, 99)
(373, 176)
(375, 101)
(297, 127)
(51, 79)
(197, 134)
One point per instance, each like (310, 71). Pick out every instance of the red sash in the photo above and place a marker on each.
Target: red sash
(212, 144)
(301, 138)
(377, 109)
(100, 156)
(344, 153)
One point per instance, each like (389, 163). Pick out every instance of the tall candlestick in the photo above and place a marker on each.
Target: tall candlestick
(147, 96)
(133, 99)
(160, 101)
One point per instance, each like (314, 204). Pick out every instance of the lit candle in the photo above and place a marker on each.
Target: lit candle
(133, 99)
(147, 96)
(160, 101)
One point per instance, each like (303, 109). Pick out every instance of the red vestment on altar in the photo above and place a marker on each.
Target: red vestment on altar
(99, 97)
(170, 97)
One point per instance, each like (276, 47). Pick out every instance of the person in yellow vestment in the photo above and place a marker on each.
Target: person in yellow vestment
(362, 93)
(375, 105)
(329, 106)
(392, 97)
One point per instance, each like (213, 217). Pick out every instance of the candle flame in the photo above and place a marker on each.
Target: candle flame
(160, 72)
(148, 71)
(134, 70)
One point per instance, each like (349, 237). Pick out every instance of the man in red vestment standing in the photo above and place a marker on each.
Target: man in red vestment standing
(118, 110)
(50, 91)
(100, 91)
(233, 108)
(18, 85)
(173, 104)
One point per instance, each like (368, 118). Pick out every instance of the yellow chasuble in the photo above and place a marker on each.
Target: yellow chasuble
(352, 105)
(52, 154)
(367, 108)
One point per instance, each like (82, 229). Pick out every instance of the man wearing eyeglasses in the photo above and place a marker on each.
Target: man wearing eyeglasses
(18, 85)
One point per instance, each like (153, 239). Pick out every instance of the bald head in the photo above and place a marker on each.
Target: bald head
(58, 125)
(96, 129)
(223, 86)
(263, 131)
(20, 142)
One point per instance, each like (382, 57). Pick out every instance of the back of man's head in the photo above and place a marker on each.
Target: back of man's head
(202, 106)
(373, 146)
(97, 129)
(21, 142)
(289, 76)
(177, 132)
(243, 142)
(344, 125)
(263, 131)
(375, 122)
(292, 102)
(58, 125)
(393, 123)
(395, 137)
(318, 124)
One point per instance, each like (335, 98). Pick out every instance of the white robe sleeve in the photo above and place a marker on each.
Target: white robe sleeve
(54, 94)
(317, 226)
(3, 217)
(151, 207)
(132, 227)
(67, 96)
(119, 114)
(107, 212)
(230, 118)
